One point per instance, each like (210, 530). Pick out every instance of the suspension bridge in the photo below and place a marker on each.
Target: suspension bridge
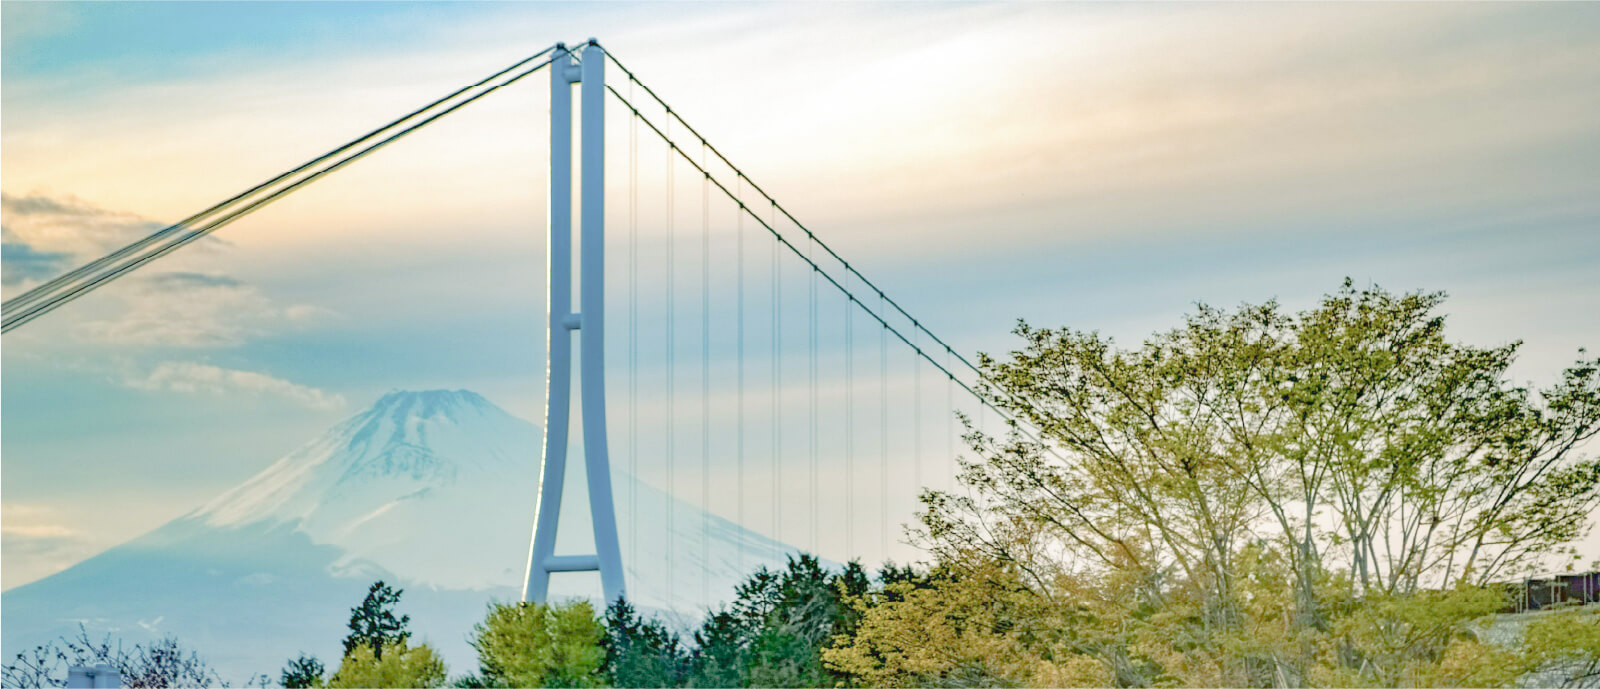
(868, 373)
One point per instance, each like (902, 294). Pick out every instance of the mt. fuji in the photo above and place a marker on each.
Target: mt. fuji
(433, 491)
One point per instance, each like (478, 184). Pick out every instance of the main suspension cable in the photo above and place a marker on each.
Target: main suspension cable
(66, 288)
(779, 208)
(950, 352)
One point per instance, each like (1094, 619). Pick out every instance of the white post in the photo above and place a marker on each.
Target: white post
(596, 450)
(558, 339)
(93, 677)
(542, 559)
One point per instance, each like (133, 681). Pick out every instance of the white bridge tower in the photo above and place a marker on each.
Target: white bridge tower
(589, 321)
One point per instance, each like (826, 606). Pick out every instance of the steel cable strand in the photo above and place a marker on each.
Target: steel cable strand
(944, 368)
(811, 345)
(633, 339)
(705, 382)
(779, 207)
(849, 425)
(672, 358)
(777, 388)
(12, 321)
(739, 325)
(56, 284)
(916, 325)
(883, 435)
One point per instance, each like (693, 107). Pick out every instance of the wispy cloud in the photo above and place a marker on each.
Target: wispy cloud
(44, 235)
(198, 378)
(34, 544)
(186, 309)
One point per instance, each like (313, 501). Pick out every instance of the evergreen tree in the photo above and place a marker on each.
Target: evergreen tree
(849, 585)
(373, 623)
(302, 672)
(641, 652)
(721, 651)
(774, 632)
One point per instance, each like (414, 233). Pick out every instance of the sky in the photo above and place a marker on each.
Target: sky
(1100, 167)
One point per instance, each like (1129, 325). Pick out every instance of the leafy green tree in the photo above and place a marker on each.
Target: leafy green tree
(373, 623)
(396, 666)
(976, 629)
(1231, 502)
(531, 644)
(643, 652)
(302, 672)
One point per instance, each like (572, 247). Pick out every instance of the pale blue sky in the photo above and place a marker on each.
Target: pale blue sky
(1099, 167)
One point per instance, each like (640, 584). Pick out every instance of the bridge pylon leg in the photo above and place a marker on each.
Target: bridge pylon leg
(590, 321)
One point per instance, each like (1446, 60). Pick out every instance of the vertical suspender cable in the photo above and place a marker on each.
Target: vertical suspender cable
(777, 385)
(883, 435)
(849, 422)
(812, 348)
(672, 363)
(916, 411)
(705, 379)
(949, 420)
(633, 336)
(739, 446)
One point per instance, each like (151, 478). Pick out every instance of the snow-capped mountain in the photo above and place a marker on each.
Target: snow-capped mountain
(432, 490)
(436, 487)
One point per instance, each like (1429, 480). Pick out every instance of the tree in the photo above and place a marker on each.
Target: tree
(787, 618)
(302, 672)
(1351, 450)
(396, 666)
(163, 663)
(373, 622)
(722, 651)
(532, 644)
(643, 652)
(943, 629)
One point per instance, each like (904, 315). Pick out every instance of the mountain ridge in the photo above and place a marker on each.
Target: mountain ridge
(431, 490)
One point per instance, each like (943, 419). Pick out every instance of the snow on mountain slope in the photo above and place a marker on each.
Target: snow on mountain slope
(433, 490)
(440, 487)
(436, 486)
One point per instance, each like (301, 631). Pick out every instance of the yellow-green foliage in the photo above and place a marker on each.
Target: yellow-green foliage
(1565, 644)
(953, 629)
(1254, 498)
(534, 645)
(416, 666)
(1417, 639)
